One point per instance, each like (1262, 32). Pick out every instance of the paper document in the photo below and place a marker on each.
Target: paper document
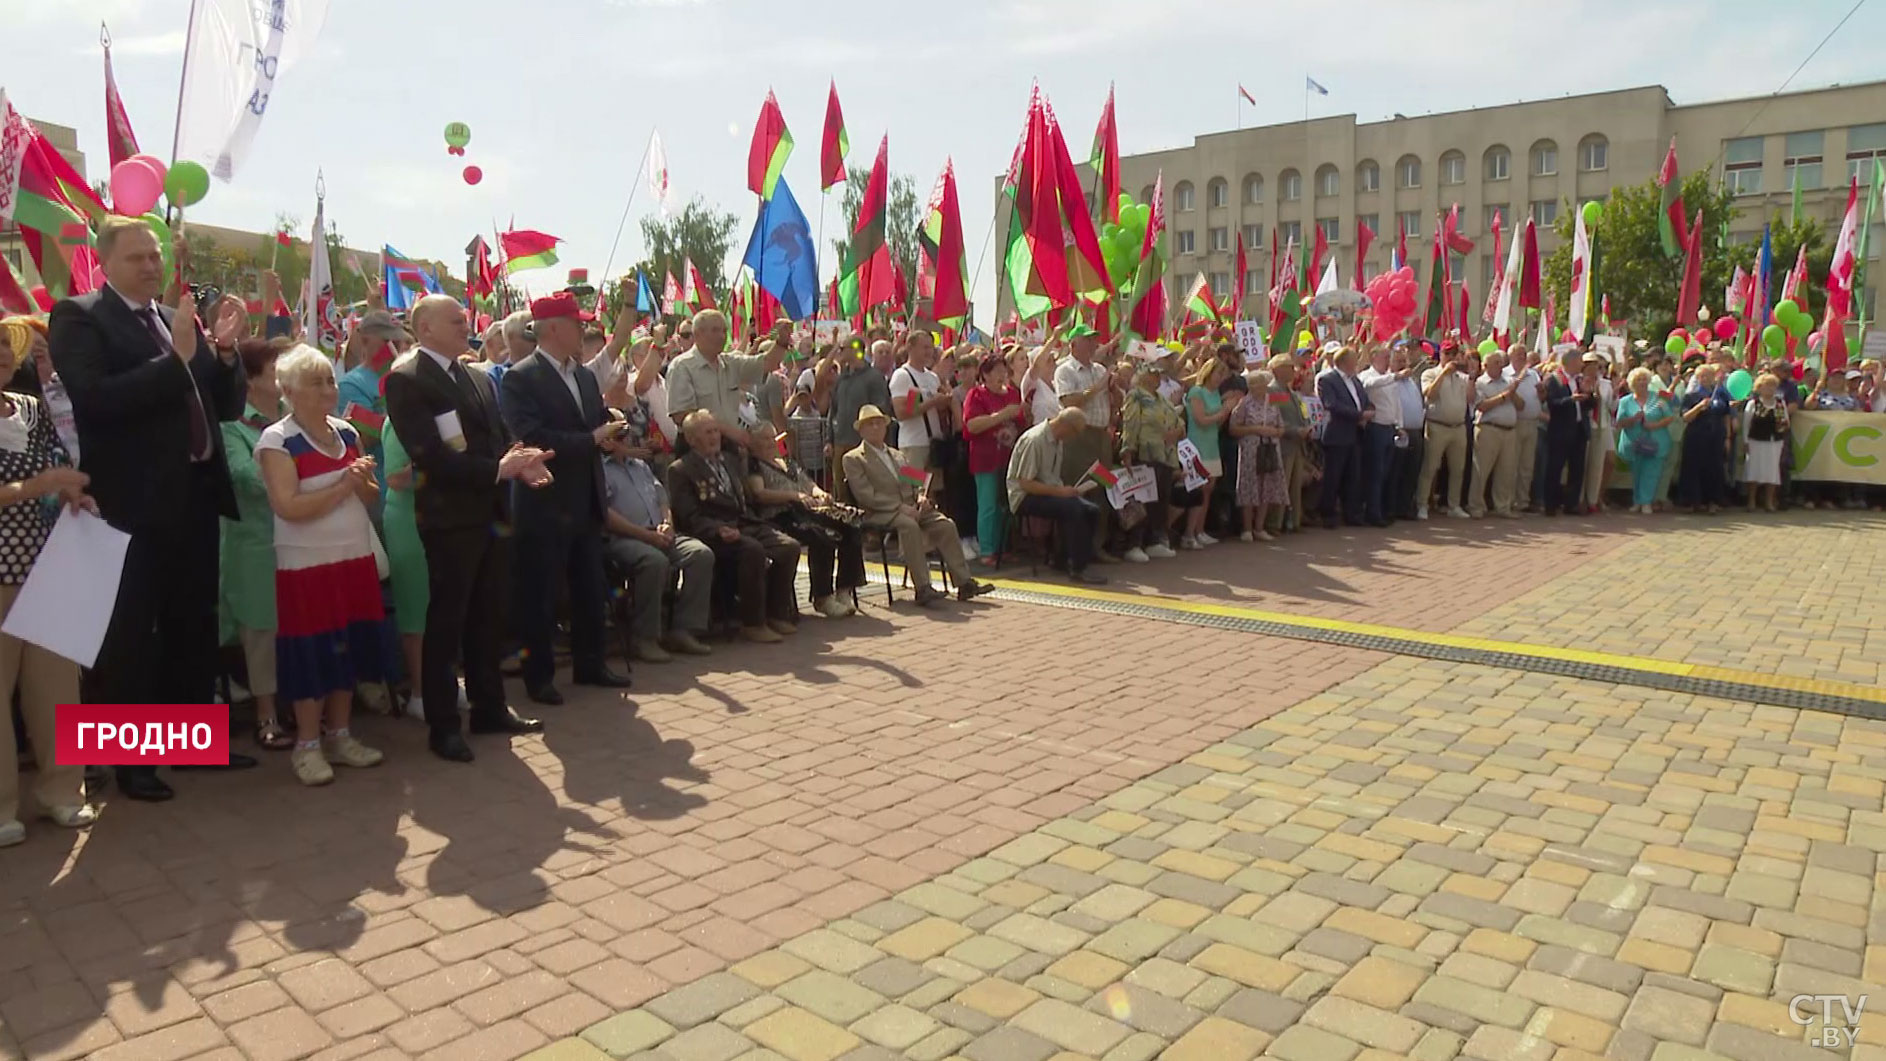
(1192, 465)
(450, 432)
(1136, 484)
(67, 601)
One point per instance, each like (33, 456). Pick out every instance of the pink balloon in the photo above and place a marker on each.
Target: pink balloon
(135, 187)
(1725, 327)
(156, 164)
(473, 174)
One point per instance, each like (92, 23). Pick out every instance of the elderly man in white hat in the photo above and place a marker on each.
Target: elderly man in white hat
(895, 495)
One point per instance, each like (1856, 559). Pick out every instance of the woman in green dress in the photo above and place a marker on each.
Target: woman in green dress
(406, 559)
(248, 544)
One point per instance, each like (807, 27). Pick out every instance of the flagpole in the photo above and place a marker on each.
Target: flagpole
(611, 260)
(985, 253)
(824, 194)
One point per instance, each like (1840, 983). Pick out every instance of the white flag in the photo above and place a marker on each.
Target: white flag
(1328, 281)
(658, 172)
(234, 60)
(1503, 309)
(320, 320)
(1581, 276)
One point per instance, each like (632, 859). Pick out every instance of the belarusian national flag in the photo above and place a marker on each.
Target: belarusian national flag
(527, 249)
(1103, 475)
(940, 243)
(1840, 272)
(1086, 268)
(122, 142)
(1105, 160)
(45, 196)
(1146, 298)
(869, 262)
(1029, 243)
(835, 145)
(676, 298)
(700, 297)
(1198, 302)
(1670, 229)
(766, 156)
(916, 477)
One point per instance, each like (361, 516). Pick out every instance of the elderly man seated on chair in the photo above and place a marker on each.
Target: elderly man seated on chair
(639, 535)
(886, 487)
(708, 490)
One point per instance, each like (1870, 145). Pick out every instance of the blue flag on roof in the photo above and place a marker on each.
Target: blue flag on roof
(782, 255)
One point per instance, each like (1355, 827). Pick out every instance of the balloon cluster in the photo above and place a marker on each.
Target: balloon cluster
(1393, 296)
(138, 182)
(1120, 244)
(457, 135)
(1790, 321)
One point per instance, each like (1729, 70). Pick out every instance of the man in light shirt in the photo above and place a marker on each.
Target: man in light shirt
(921, 402)
(1408, 361)
(1447, 390)
(1083, 383)
(1496, 405)
(1529, 425)
(707, 378)
(1035, 489)
(1383, 382)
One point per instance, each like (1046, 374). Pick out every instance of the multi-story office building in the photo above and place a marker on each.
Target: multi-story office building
(1536, 159)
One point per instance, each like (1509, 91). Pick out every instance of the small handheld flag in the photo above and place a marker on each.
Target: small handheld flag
(916, 477)
(1103, 475)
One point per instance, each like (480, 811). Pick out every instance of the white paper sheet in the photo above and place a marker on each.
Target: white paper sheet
(67, 601)
(1191, 465)
(450, 432)
(1136, 484)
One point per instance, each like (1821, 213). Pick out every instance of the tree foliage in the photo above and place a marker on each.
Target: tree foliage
(900, 220)
(1643, 283)
(700, 234)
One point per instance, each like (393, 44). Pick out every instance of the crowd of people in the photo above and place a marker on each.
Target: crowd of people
(389, 527)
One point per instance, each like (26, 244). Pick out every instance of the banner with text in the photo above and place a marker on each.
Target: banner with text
(1840, 447)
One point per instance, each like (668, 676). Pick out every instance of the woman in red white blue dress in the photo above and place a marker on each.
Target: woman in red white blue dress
(327, 580)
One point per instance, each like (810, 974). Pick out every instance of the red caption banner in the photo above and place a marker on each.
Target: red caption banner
(142, 735)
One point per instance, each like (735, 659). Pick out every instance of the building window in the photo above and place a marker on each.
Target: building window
(1408, 172)
(1486, 275)
(1220, 284)
(1187, 245)
(1864, 144)
(1368, 177)
(1742, 166)
(1253, 281)
(1499, 163)
(1289, 232)
(1409, 223)
(1291, 184)
(1328, 181)
(1253, 190)
(1491, 211)
(1218, 193)
(1594, 154)
(1221, 238)
(1453, 168)
(1185, 196)
(1254, 236)
(1545, 158)
(1372, 221)
(1802, 163)
(1457, 265)
(1545, 212)
(1331, 226)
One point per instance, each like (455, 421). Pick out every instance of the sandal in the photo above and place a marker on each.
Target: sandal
(270, 735)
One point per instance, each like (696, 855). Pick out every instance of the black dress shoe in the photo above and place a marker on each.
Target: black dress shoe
(509, 722)
(144, 787)
(450, 747)
(545, 694)
(1087, 577)
(237, 761)
(605, 679)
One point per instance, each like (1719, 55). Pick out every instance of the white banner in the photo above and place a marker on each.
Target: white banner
(322, 323)
(237, 52)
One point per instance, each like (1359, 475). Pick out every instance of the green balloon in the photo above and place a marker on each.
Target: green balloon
(1126, 202)
(458, 134)
(1740, 384)
(1775, 339)
(1674, 345)
(1592, 212)
(1142, 216)
(1488, 346)
(1786, 308)
(187, 183)
(165, 243)
(1799, 324)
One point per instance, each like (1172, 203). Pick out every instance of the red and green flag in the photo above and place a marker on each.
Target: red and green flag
(1146, 296)
(835, 145)
(916, 477)
(1103, 475)
(772, 143)
(1105, 159)
(1086, 267)
(1670, 219)
(527, 249)
(1052, 256)
(676, 298)
(119, 138)
(868, 263)
(1200, 310)
(50, 202)
(699, 296)
(945, 270)
(1436, 317)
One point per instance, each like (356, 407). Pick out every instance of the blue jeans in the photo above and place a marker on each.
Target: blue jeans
(1378, 462)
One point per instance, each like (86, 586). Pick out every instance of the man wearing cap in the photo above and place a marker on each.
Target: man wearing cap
(376, 341)
(1446, 389)
(707, 378)
(858, 384)
(707, 487)
(641, 538)
(552, 402)
(878, 479)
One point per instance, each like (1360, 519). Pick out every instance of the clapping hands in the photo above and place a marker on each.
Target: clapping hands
(526, 465)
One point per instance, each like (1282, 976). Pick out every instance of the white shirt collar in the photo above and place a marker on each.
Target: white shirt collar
(438, 359)
(136, 307)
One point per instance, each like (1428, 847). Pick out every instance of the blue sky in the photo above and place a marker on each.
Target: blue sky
(561, 94)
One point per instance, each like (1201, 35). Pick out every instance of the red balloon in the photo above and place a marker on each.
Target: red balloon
(1725, 327)
(473, 174)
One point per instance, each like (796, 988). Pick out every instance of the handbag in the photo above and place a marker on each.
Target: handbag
(1131, 514)
(1270, 457)
(1643, 446)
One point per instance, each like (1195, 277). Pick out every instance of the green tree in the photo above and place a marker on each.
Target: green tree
(1643, 283)
(900, 221)
(700, 234)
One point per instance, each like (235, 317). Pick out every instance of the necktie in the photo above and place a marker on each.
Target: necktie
(200, 449)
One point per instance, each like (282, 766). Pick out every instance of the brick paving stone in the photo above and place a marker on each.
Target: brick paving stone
(1670, 1015)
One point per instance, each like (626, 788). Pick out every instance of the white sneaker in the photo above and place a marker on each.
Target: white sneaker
(1206, 539)
(1421, 512)
(416, 708)
(1189, 543)
(971, 548)
(1160, 551)
(1458, 513)
(1245, 536)
(831, 607)
(12, 832)
(463, 700)
(1135, 556)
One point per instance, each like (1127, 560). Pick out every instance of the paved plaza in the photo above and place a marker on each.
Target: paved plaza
(1009, 831)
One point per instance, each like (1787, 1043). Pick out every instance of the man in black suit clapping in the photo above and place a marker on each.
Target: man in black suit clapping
(552, 402)
(447, 416)
(148, 389)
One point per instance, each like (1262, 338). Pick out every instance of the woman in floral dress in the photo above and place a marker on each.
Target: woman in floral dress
(1258, 426)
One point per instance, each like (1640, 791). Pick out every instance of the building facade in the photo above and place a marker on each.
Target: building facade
(1536, 159)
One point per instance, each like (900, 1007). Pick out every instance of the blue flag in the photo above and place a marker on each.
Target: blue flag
(406, 280)
(782, 255)
(644, 298)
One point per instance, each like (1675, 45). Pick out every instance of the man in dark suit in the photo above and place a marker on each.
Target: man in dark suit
(552, 402)
(148, 389)
(1350, 412)
(707, 488)
(1568, 405)
(447, 417)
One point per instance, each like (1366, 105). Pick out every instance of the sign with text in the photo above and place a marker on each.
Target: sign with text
(1839, 447)
(141, 735)
(1250, 340)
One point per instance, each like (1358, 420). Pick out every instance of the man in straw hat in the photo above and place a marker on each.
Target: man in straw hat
(894, 495)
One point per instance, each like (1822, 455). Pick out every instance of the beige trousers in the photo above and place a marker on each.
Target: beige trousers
(258, 653)
(45, 681)
(1450, 444)
(1493, 449)
(917, 537)
(1597, 468)
(1525, 458)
